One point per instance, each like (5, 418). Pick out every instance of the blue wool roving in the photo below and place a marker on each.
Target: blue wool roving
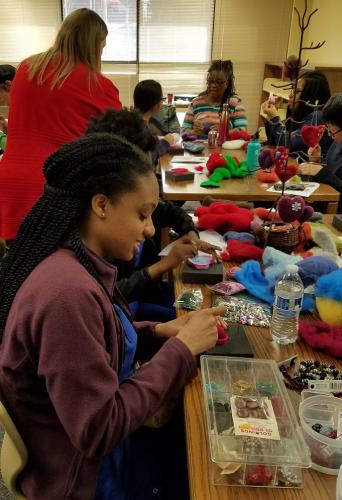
(256, 284)
(235, 235)
(276, 261)
(312, 268)
(330, 285)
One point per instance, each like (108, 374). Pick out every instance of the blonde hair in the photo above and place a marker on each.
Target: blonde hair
(79, 39)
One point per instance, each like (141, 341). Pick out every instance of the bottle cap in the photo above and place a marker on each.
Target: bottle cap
(292, 268)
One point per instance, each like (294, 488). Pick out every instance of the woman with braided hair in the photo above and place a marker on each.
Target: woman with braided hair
(68, 344)
(53, 95)
(203, 114)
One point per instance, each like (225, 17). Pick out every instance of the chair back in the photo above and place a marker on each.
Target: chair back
(13, 454)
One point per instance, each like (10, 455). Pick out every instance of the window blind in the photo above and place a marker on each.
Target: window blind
(121, 19)
(175, 31)
(27, 27)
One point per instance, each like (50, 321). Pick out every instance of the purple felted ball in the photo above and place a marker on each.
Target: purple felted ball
(206, 129)
(290, 208)
(266, 158)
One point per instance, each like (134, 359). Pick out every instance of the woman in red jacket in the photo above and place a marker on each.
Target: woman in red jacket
(53, 96)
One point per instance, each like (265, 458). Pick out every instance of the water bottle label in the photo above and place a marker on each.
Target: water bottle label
(288, 304)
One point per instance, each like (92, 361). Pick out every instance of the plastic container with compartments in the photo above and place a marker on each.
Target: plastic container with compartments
(235, 388)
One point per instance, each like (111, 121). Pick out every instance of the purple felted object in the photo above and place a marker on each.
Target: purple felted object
(235, 235)
(306, 214)
(206, 129)
(312, 268)
(266, 158)
(290, 208)
(189, 137)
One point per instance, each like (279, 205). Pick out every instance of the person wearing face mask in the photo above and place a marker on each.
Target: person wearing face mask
(53, 95)
(203, 114)
(7, 73)
(312, 88)
(328, 169)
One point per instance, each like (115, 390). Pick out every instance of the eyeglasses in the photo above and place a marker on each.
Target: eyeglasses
(219, 83)
(332, 134)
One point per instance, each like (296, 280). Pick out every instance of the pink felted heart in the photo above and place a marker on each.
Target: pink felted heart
(312, 134)
(290, 208)
(306, 214)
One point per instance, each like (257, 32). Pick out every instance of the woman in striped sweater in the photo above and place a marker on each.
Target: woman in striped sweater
(203, 113)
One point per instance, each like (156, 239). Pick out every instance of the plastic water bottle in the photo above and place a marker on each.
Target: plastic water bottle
(253, 150)
(288, 298)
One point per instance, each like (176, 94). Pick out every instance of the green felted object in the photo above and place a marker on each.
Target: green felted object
(242, 170)
(236, 169)
(216, 177)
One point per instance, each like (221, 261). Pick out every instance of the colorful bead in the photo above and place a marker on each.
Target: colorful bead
(317, 427)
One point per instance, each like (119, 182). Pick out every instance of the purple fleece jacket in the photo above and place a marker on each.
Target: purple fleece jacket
(60, 384)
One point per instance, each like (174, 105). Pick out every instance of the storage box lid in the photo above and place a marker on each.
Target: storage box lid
(230, 382)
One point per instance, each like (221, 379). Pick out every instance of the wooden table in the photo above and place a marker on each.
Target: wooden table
(317, 486)
(246, 189)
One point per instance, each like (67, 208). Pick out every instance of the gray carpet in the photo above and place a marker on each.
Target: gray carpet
(4, 493)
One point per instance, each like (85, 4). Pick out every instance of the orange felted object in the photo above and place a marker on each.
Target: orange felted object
(268, 176)
(265, 214)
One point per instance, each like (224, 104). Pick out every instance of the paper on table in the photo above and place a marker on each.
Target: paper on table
(189, 159)
(310, 187)
(209, 236)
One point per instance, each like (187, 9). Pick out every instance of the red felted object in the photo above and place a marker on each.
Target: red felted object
(226, 222)
(225, 216)
(239, 134)
(240, 251)
(320, 335)
(215, 160)
(285, 172)
(199, 168)
(268, 176)
(225, 256)
(312, 134)
(179, 170)
(222, 336)
(225, 206)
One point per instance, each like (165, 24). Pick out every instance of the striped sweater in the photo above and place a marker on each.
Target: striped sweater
(208, 115)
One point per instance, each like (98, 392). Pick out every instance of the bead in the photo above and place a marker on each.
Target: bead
(266, 389)
(326, 430)
(317, 427)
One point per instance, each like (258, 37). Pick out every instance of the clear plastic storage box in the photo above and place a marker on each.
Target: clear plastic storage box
(254, 436)
(326, 411)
